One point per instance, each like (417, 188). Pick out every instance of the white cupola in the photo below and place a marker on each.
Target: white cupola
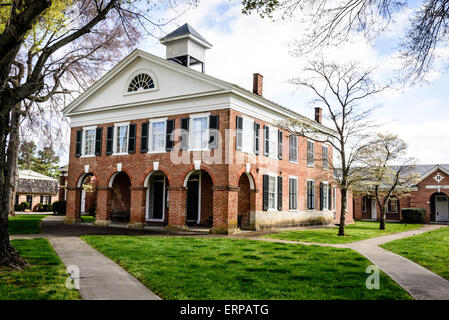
(186, 47)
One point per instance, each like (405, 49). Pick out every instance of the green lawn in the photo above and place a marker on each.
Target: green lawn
(360, 230)
(429, 249)
(25, 224)
(44, 279)
(228, 269)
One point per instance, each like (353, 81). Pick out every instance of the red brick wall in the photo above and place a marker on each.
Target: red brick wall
(224, 177)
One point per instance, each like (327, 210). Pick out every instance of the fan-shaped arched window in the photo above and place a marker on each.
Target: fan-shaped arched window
(141, 82)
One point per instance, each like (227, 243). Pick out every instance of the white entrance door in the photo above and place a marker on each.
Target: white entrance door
(442, 208)
(83, 201)
(373, 209)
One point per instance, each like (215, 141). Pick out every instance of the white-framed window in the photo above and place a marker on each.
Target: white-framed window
(141, 82)
(88, 141)
(310, 194)
(364, 204)
(199, 133)
(248, 135)
(273, 142)
(157, 135)
(121, 131)
(293, 148)
(293, 193)
(310, 153)
(325, 156)
(45, 199)
(393, 205)
(325, 195)
(272, 192)
(335, 197)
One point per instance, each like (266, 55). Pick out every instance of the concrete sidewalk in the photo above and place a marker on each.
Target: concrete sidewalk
(419, 282)
(100, 277)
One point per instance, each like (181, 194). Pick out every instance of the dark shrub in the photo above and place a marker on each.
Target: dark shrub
(38, 207)
(59, 207)
(18, 207)
(24, 205)
(47, 207)
(413, 215)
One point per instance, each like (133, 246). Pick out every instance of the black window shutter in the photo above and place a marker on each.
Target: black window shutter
(329, 197)
(280, 193)
(132, 138)
(185, 134)
(41, 199)
(144, 138)
(109, 137)
(98, 139)
(170, 126)
(321, 195)
(256, 137)
(279, 144)
(238, 135)
(213, 131)
(79, 136)
(265, 192)
(266, 133)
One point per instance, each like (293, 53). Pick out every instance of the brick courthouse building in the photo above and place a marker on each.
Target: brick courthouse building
(431, 193)
(170, 145)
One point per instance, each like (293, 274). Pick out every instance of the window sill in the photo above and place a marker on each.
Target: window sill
(293, 210)
(295, 162)
(154, 152)
(310, 166)
(272, 210)
(155, 220)
(88, 156)
(119, 154)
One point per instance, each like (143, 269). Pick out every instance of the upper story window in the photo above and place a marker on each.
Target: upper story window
(141, 82)
(158, 135)
(325, 157)
(200, 133)
(293, 148)
(89, 142)
(121, 138)
(310, 153)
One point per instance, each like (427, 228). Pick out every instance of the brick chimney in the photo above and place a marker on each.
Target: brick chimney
(318, 114)
(257, 83)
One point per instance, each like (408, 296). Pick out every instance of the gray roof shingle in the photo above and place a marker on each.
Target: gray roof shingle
(185, 29)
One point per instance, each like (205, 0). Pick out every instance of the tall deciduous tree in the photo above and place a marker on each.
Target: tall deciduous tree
(388, 172)
(331, 22)
(55, 47)
(342, 91)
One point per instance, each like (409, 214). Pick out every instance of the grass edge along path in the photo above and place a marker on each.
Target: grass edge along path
(360, 230)
(25, 224)
(44, 279)
(429, 249)
(229, 269)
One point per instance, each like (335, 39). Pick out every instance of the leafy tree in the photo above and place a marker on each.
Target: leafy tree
(388, 172)
(53, 48)
(331, 22)
(46, 162)
(27, 155)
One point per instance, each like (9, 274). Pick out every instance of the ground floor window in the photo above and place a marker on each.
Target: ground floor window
(324, 196)
(393, 205)
(310, 194)
(271, 192)
(45, 199)
(293, 193)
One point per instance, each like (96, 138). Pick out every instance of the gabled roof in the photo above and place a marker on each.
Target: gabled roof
(426, 170)
(184, 31)
(223, 85)
(30, 174)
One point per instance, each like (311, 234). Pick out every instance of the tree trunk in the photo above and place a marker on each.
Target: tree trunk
(9, 256)
(383, 217)
(344, 195)
(12, 155)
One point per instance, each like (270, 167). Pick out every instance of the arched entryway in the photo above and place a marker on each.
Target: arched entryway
(157, 197)
(200, 200)
(439, 207)
(244, 201)
(120, 185)
(88, 198)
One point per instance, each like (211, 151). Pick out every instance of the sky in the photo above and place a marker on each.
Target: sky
(243, 45)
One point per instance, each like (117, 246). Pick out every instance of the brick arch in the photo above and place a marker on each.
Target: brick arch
(151, 170)
(82, 175)
(250, 174)
(115, 172)
(191, 169)
(442, 191)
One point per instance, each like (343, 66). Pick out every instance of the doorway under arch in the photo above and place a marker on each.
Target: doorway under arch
(88, 198)
(157, 197)
(439, 207)
(200, 199)
(244, 202)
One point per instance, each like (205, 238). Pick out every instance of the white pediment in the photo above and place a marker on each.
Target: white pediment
(171, 81)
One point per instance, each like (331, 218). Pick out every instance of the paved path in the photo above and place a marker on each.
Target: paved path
(100, 277)
(419, 282)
